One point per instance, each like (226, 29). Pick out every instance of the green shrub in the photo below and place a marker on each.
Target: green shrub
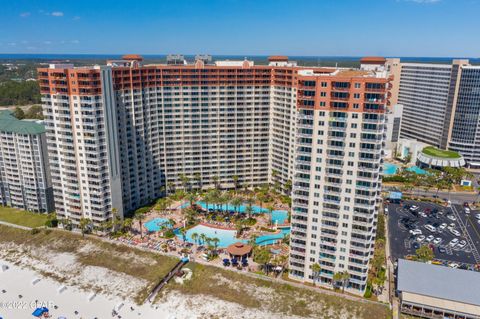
(34, 231)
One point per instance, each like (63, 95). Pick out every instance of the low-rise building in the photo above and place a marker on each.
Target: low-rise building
(432, 291)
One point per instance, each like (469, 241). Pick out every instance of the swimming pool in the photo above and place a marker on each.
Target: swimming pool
(155, 224)
(392, 169)
(273, 238)
(278, 216)
(226, 236)
(417, 170)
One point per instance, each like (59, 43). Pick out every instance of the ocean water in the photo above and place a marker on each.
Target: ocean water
(261, 59)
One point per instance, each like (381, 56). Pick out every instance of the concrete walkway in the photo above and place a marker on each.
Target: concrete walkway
(15, 225)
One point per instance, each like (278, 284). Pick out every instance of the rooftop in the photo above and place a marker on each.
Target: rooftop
(436, 152)
(9, 123)
(439, 281)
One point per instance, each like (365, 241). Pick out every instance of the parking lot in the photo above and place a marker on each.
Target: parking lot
(453, 235)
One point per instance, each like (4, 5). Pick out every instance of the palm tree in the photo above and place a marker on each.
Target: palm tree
(171, 222)
(235, 182)
(139, 216)
(127, 224)
(288, 186)
(270, 211)
(216, 182)
(249, 210)
(185, 181)
(239, 227)
(215, 241)
(342, 277)
(84, 225)
(236, 202)
(198, 180)
(203, 237)
(184, 234)
(171, 187)
(192, 197)
(316, 269)
(195, 237)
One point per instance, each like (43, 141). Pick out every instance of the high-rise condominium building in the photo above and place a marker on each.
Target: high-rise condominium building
(24, 172)
(120, 135)
(441, 105)
(337, 176)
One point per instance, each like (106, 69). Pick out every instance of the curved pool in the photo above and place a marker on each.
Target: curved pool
(155, 224)
(226, 236)
(272, 238)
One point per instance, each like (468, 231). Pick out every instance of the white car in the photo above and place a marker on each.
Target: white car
(451, 217)
(466, 210)
(413, 207)
(429, 238)
(455, 232)
(453, 242)
(454, 265)
(423, 214)
(430, 228)
(461, 244)
(443, 226)
(415, 232)
(453, 225)
(437, 241)
(420, 238)
(477, 216)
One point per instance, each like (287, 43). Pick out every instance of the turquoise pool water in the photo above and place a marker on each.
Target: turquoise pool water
(417, 170)
(278, 216)
(226, 237)
(155, 224)
(392, 169)
(273, 238)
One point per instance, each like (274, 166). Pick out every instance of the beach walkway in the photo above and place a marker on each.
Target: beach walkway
(166, 279)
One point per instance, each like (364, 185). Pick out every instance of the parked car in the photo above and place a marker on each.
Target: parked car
(415, 245)
(455, 232)
(442, 250)
(416, 232)
(413, 208)
(437, 241)
(443, 226)
(477, 216)
(466, 210)
(451, 217)
(453, 265)
(420, 238)
(461, 244)
(453, 242)
(430, 228)
(429, 238)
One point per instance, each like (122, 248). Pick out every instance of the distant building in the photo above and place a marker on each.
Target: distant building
(25, 181)
(441, 105)
(393, 127)
(433, 291)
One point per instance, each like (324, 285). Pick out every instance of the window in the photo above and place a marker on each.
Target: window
(323, 94)
(356, 95)
(356, 105)
(358, 85)
(322, 103)
(324, 84)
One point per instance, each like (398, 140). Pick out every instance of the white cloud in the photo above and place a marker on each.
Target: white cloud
(75, 41)
(47, 42)
(57, 13)
(76, 18)
(24, 14)
(12, 44)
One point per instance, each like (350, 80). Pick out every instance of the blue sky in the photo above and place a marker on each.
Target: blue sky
(243, 27)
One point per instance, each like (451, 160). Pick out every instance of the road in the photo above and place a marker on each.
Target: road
(454, 197)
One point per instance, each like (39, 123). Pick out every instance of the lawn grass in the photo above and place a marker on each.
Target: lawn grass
(249, 292)
(21, 217)
(433, 151)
